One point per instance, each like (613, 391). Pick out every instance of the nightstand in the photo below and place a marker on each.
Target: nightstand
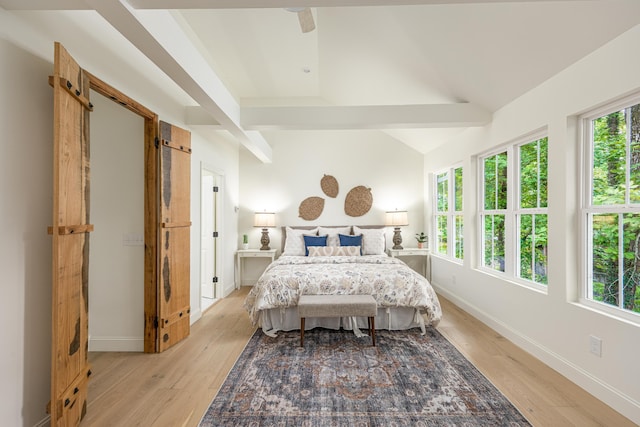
(241, 254)
(424, 252)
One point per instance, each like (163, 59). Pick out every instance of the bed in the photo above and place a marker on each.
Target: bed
(340, 260)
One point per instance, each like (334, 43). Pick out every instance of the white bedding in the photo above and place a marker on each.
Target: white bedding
(405, 298)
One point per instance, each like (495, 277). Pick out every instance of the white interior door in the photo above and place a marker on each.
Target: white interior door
(212, 224)
(207, 251)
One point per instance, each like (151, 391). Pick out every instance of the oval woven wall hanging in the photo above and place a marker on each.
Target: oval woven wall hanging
(329, 185)
(358, 201)
(311, 208)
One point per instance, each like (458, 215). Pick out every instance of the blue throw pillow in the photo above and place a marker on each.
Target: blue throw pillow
(313, 241)
(351, 241)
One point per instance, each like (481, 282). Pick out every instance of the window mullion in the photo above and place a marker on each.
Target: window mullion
(627, 169)
(510, 223)
(452, 217)
(621, 260)
(538, 174)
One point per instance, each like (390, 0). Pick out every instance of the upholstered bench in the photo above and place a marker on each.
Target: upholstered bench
(338, 306)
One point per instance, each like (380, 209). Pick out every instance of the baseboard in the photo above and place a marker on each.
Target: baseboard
(43, 422)
(226, 291)
(195, 316)
(116, 344)
(613, 397)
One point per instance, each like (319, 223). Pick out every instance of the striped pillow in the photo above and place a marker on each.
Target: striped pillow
(334, 250)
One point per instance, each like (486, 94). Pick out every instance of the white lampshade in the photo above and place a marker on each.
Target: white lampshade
(264, 219)
(397, 219)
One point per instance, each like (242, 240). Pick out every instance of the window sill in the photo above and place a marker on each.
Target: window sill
(531, 286)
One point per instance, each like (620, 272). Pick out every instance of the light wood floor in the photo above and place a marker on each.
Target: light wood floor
(175, 388)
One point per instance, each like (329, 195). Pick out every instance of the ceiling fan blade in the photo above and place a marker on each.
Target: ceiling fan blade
(305, 16)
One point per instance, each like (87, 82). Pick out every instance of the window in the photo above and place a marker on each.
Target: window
(513, 211)
(448, 217)
(531, 213)
(495, 209)
(612, 206)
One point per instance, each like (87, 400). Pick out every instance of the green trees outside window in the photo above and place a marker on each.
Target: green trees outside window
(448, 216)
(520, 211)
(532, 217)
(613, 213)
(495, 205)
(442, 209)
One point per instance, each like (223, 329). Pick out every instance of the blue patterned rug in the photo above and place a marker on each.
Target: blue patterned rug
(340, 380)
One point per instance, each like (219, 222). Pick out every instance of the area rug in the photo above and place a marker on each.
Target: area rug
(337, 379)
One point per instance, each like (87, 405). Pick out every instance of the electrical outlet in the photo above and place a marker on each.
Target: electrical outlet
(595, 345)
(453, 279)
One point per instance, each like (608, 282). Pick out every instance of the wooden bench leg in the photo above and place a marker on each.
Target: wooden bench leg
(372, 329)
(302, 332)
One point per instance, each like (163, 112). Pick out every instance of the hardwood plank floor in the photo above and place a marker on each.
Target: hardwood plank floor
(175, 388)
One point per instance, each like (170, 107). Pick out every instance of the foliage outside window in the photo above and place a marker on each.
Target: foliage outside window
(532, 213)
(612, 208)
(495, 205)
(514, 217)
(448, 217)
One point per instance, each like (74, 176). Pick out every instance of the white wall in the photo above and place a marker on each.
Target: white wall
(552, 326)
(393, 171)
(26, 117)
(116, 269)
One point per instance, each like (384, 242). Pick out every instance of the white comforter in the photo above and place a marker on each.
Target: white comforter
(389, 280)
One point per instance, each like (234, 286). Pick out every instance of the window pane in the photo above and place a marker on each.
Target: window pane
(631, 290)
(442, 182)
(442, 234)
(605, 258)
(533, 248)
(494, 239)
(533, 174)
(609, 159)
(459, 249)
(458, 190)
(633, 117)
(495, 181)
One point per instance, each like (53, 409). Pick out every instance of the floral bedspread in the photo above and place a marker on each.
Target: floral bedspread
(391, 282)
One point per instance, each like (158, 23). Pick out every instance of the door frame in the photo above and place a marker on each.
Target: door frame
(151, 201)
(218, 212)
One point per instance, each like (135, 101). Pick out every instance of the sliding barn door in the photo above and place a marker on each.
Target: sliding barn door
(70, 235)
(174, 240)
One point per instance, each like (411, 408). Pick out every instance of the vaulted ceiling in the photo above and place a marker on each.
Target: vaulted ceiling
(420, 70)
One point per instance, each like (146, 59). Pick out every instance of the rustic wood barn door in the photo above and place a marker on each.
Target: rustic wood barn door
(174, 242)
(70, 230)
(167, 240)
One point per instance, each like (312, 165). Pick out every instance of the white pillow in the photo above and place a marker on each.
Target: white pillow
(334, 250)
(373, 240)
(294, 245)
(333, 239)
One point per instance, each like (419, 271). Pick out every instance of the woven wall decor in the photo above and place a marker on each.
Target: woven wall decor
(358, 201)
(311, 208)
(329, 185)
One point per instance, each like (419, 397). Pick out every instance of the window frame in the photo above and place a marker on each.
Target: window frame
(450, 213)
(587, 208)
(513, 211)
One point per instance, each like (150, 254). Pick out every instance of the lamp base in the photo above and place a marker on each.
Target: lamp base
(397, 238)
(264, 240)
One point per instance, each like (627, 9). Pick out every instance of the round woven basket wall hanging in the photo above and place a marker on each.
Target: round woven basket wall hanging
(329, 186)
(358, 201)
(311, 208)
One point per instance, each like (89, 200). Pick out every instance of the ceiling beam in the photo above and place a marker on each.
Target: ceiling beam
(159, 37)
(259, 4)
(364, 117)
(241, 4)
(44, 5)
